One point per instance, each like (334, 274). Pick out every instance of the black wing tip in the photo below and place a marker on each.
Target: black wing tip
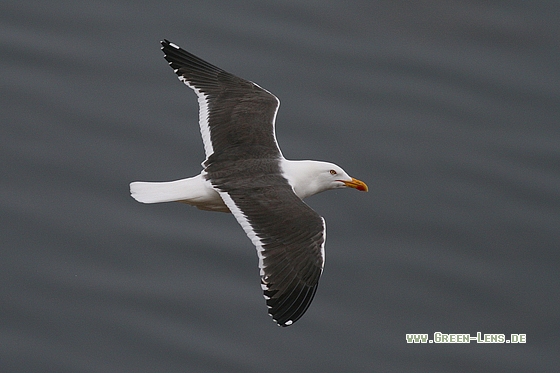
(286, 315)
(168, 44)
(286, 324)
(179, 58)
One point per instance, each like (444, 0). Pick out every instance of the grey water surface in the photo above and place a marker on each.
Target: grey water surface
(449, 110)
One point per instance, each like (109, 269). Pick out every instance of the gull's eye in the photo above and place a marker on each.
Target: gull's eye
(333, 172)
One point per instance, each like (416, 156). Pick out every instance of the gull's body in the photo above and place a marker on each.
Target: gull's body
(196, 191)
(246, 174)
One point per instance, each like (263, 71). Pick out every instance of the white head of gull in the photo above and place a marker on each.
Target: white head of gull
(246, 174)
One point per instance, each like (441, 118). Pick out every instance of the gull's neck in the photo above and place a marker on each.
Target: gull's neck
(302, 177)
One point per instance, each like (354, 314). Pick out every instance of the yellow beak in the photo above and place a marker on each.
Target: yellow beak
(356, 184)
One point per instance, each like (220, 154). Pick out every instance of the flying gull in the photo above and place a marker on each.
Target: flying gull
(246, 174)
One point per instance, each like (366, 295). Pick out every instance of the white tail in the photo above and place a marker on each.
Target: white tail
(155, 192)
(194, 191)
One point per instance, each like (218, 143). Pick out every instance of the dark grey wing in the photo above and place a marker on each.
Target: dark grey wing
(243, 163)
(288, 234)
(234, 113)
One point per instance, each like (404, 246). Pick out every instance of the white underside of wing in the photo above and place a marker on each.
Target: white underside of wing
(323, 244)
(242, 220)
(202, 117)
